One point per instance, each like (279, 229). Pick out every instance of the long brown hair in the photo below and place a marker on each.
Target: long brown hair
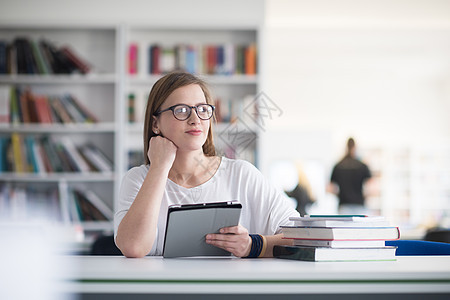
(158, 95)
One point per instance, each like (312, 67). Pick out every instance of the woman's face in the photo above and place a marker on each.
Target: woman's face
(190, 134)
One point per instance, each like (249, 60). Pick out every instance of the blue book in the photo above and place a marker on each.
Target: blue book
(3, 61)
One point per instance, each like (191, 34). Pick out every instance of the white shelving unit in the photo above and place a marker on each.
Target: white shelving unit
(98, 90)
(412, 185)
(105, 90)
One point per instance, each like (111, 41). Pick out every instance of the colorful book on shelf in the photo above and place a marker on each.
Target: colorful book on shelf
(51, 154)
(48, 57)
(42, 109)
(41, 63)
(250, 60)
(72, 110)
(26, 107)
(88, 115)
(155, 54)
(75, 59)
(133, 58)
(3, 154)
(60, 110)
(5, 92)
(167, 60)
(96, 205)
(77, 160)
(11, 59)
(18, 160)
(3, 57)
(96, 158)
(341, 233)
(334, 254)
(86, 210)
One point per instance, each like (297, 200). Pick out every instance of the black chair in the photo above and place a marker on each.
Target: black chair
(104, 245)
(438, 235)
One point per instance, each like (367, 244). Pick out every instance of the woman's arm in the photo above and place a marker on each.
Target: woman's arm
(273, 240)
(137, 230)
(236, 240)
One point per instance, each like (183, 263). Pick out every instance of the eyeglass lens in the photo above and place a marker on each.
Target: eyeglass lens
(182, 112)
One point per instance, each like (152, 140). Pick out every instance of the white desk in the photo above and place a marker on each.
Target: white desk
(155, 275)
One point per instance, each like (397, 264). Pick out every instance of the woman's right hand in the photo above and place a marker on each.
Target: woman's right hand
(161, 152)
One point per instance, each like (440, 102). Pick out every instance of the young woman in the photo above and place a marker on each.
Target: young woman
(182, 168)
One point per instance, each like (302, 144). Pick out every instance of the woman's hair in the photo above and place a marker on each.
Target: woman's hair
(158, 95)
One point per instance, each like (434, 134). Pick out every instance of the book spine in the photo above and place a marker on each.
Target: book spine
(41, 63)
(14, 107)
(133, 59)
(60, 110)
(287, 252)
(131, 108)
(18, 159)
(75, 155)
(3, 57)
(5, 104)
(84, 111)
(250, 60)
(80, 64)
(96, 158)
(74, 113)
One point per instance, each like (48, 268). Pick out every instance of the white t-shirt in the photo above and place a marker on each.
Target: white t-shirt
(264, 208)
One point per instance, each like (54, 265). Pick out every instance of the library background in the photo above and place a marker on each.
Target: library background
(290, 86)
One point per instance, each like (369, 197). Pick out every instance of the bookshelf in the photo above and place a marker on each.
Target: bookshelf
(411, 185)
(105, 91)
(97, 90)
(234, 90)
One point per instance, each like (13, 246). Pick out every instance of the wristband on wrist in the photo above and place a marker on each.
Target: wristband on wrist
(264, 247)
(257, 245)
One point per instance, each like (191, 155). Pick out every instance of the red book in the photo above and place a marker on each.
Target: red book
(43, 109)
(133, 59)
(156, 54)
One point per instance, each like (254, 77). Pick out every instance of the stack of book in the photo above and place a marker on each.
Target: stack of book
(47, 154)
(22, 106)
(222, 59)
(338, 238)
(26, 56)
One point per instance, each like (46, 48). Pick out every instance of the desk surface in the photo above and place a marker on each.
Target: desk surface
(96, 274)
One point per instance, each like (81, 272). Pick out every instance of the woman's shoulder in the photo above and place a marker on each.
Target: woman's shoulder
(239, 165)
(137, 172)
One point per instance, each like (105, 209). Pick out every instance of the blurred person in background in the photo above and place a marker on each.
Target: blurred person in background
(347, 181)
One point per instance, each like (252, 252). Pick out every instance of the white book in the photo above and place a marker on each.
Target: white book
(96, 158)
(340, 221)
(76, 157)
(74, 209)
(341, 233)
(334, 254)
(4, 103)
(229, 61)
(340, 244)
(37, 153)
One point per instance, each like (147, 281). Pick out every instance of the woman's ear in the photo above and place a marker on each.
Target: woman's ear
(155, 127)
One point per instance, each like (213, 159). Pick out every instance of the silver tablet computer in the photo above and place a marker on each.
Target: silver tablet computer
(188, 225)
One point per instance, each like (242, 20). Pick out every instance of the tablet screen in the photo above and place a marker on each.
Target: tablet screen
(187, 226)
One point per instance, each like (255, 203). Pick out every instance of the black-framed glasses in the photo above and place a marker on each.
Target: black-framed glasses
(182, 112)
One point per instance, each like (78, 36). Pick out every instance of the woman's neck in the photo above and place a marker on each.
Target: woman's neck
(193, 168)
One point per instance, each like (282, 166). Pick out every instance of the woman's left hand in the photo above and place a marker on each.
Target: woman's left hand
(234, 239)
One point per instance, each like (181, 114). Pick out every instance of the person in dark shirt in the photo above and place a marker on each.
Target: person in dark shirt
(347, 181)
